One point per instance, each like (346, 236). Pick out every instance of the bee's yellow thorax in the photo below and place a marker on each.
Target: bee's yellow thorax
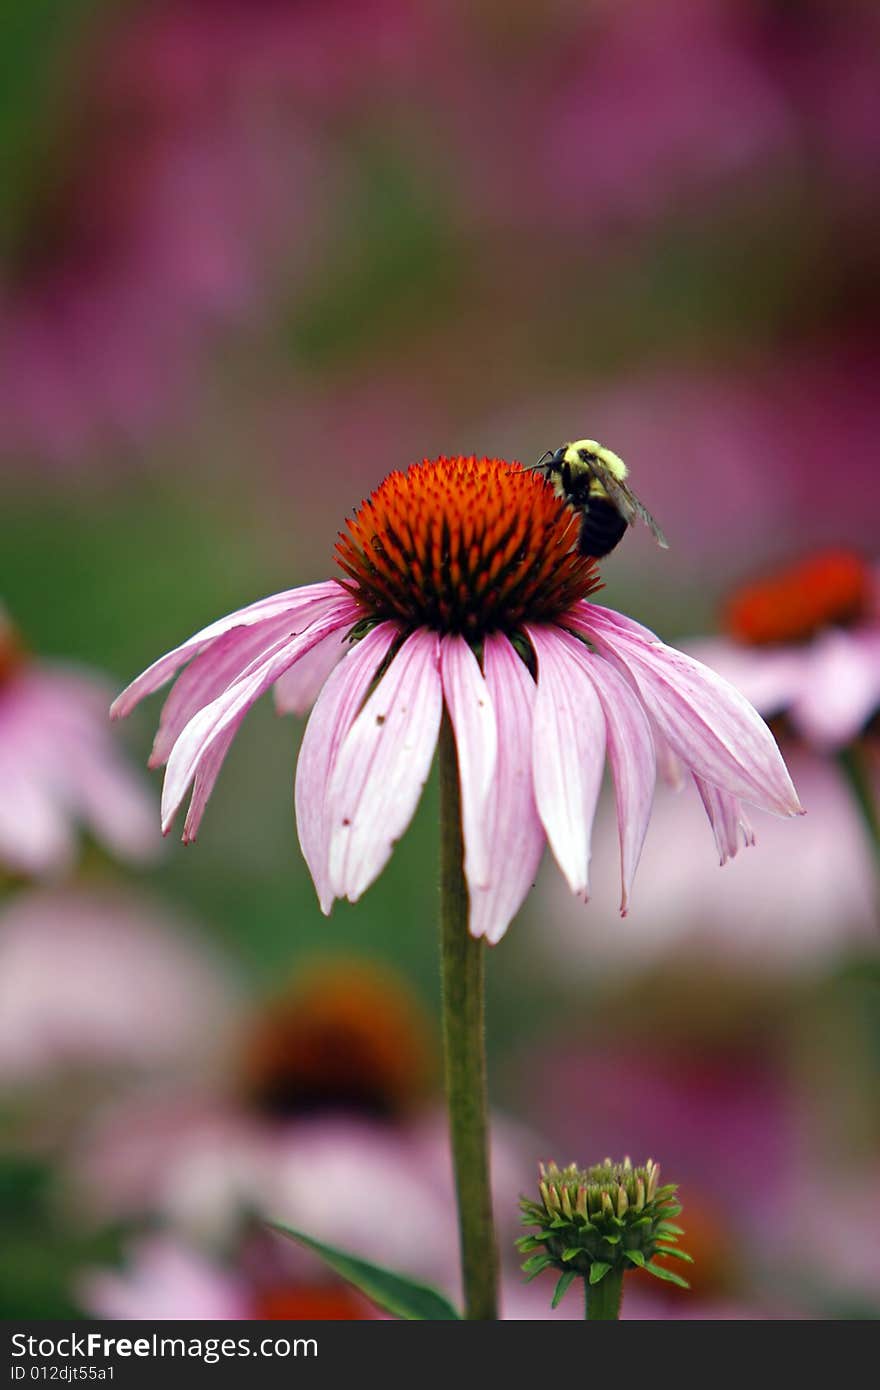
(611, 461)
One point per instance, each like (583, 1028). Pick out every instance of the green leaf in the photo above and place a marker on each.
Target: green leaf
(669, 1228)
(636, 1257)
(660, 1273)
(598, 1270)
(563, 1287)
(527, 1243)
(674, 1252)
(612, 1240)
(572, 1252)
(536, 1263)
(395, 1293)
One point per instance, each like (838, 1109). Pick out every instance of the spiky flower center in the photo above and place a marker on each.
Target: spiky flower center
(827, 590)
(465, 545)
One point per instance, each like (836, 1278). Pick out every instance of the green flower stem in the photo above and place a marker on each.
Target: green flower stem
(464, 1052)
(854, 765)
(603, 1300)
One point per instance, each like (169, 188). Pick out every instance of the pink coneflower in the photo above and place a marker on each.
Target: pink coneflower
(463, 591)
(164, 1277)
(805, 642)
(100, 984)
(59, 767)
(788, 912)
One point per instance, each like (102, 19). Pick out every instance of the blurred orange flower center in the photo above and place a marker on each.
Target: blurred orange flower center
(348, 1037)
(467, 545)
(11, 653)
(827, 590)
(306, 1303)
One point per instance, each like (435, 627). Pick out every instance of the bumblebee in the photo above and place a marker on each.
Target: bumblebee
(592, 480)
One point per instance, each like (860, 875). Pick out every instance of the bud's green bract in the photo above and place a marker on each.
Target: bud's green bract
(610, 1218)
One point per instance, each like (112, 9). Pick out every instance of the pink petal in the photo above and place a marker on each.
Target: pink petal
(383, 765)
(841, 689)
(297, 690)
(476, 742)
(704, 719)
(631, 754)
(514, 830)
(770, 678)
(212, 672)
(292, 603)
(110, 798)
(206, 729)
(729, 822)
(35, 835)
(669, 767)
(568, 753)
(333, 715)
(206, 775)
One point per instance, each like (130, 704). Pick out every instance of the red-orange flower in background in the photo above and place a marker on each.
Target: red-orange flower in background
(806, 642)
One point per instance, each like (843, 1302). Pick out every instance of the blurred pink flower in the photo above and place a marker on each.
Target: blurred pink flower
(200, 1163)
(711, 1112)
(59, 767)
(834, 1261)
(790, 909)
(312, 1123)
(167, 1277)
(824, 61)
(806, 643)
(530, 752)
(164, 1279)
(98, 981)
(658, 102)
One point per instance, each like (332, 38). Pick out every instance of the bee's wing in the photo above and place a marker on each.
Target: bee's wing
(626, 502)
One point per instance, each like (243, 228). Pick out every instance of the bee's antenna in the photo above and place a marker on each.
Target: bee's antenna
(548, 454)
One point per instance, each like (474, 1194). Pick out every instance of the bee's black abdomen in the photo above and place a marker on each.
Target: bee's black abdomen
(602, 527)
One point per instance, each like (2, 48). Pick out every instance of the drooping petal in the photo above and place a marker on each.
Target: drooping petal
(303, 603)
(631, 755)
(297, 690)
(669, 767)
(704, 719)
(205, 731)
(383, 765)
(841, 689)
(332, 717)
(214, 669)
(568, 754)
(729, 823)
(206, 775)
(770, 678)
(515, 834)
(473, 721)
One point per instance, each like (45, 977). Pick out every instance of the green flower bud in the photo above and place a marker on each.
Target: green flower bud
(599, 1223)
